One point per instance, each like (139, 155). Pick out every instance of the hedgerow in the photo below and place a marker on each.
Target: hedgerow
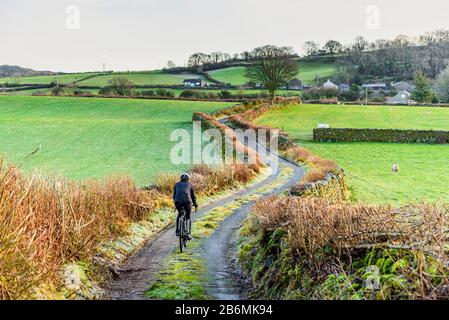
(380, 135)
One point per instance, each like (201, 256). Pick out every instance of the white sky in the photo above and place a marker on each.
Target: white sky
(144, 34)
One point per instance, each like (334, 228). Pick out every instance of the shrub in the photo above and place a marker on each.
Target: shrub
(187, 94)
(164, 93)
(105, 91)
(317, 94)
(148, 93)
(121, 86)
(57, 91)
(224, 94)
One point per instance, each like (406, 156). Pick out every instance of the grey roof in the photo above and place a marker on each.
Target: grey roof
(193, 80)
(404, 86)
(374, 85)
(295, 81)
(403, 97)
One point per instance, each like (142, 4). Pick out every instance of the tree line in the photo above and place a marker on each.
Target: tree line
(397, 59)
(202, 61)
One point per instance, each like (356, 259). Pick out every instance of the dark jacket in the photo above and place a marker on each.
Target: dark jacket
(184, 193)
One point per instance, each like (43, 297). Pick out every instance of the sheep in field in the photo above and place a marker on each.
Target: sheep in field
(395, 168)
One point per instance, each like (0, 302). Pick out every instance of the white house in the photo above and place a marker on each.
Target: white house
(330, 85)
(193, 83)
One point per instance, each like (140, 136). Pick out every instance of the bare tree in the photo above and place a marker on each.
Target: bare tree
(333, 47)
(245, 55)
(170, 64)
(402, 41)
(360, 44)
(216, 57)
(196, 60)
(226, 57)
(121, 86)
(381, 44)
(273, 68)
(311, 48)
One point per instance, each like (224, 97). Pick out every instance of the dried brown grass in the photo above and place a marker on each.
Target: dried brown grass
(319, 167)
(255, 163)
(327, 236)
(207, 180)
(314, 223)
(46, 222)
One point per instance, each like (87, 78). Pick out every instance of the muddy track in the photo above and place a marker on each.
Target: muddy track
(140, 270)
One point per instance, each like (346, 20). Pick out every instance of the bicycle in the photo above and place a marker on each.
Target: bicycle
(183, 239)
(182, 230)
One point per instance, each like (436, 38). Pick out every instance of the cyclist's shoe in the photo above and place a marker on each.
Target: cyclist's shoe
(178, 233)
(189, 237)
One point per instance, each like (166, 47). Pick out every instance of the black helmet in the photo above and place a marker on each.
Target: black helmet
(185, 177)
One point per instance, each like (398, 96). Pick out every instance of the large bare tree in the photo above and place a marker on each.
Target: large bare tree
(273, 68)
(121, 86)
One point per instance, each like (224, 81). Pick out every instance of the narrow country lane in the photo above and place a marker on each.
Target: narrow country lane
(211, 250)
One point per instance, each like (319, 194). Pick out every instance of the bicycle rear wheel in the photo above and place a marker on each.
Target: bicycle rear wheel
(185, 233)
(181, 235)
(181, 242)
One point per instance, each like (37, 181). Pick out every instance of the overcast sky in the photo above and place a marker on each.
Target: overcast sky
(144, 34)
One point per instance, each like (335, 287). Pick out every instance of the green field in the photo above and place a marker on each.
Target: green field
(307, 73)
(63, 79)
(138, 78)
(83, 138)
(143, 78)
(232, 75)
(299, 120)
(424, 173)
(176, 92)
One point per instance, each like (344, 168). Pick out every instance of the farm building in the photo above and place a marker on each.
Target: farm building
(294, 84)
(193, 82)
(403, 97)
(330, 85)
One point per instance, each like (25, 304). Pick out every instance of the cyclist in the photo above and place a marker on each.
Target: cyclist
(184, 197)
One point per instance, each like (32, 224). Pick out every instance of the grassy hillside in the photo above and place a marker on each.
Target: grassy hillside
(307, 73)
(84, 138)
(423, 174)
(144, 78)
(232, 75)
(64, 78)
